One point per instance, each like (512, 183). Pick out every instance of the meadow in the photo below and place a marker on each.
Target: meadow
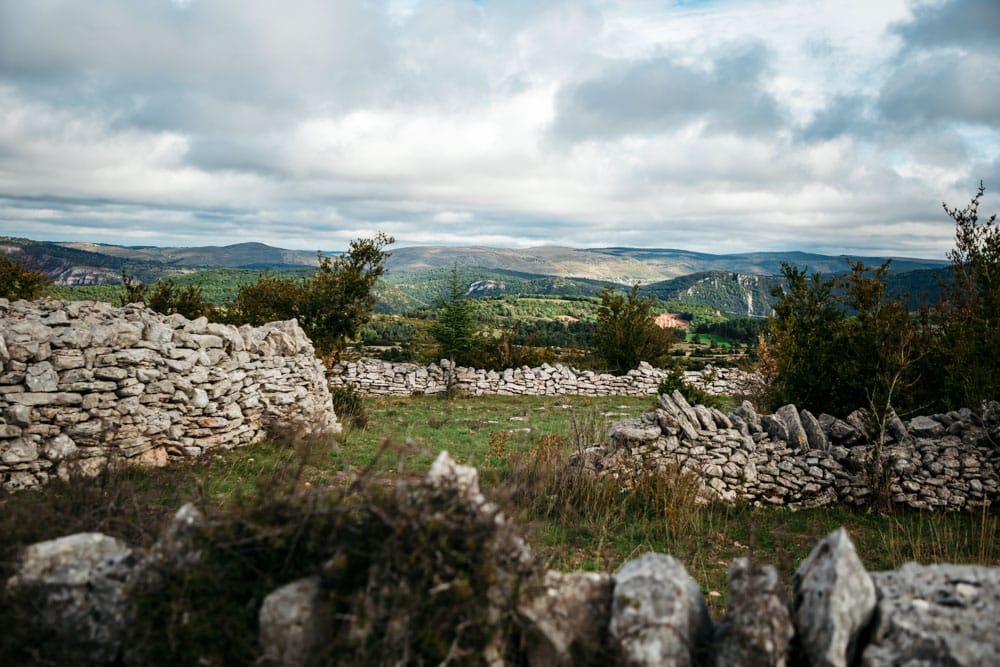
(520, 446)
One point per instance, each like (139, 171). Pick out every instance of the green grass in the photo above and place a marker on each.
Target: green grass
(706, 338)
(520, 445)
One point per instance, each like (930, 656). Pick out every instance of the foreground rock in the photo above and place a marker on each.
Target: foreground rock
(936, 614)
(658, 614)
(472, 594)
(757, 628)
(834, 601)
(79, 584)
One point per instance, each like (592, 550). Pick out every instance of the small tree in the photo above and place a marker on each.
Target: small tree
(970, 310)
(626, 332)
(455, 329)
(799, 353)
(166, 297)
(17, 281)
(332, 305)
(339, 299)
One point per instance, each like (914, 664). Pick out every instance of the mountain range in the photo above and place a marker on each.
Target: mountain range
(735, 283)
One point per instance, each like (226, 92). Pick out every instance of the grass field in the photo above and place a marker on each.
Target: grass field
(520, 445)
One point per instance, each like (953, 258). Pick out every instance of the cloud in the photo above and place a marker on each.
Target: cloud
(758, 124)
(966, 24)
(949, 66)
(660, 94)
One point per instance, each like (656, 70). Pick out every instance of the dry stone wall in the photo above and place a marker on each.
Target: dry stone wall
(373, 377)
(84, 383)
(947, 461)
(648, 612)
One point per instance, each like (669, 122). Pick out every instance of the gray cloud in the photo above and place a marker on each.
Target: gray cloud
(661, 94)
(948, 67)
(843, 115)
(718, 126)
(944, 86)
(968, 24)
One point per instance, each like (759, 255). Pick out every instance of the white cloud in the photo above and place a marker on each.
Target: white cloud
(760, 124)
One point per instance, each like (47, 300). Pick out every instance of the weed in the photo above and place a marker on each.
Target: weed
(349, 406)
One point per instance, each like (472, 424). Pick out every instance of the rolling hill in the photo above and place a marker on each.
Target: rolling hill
(737, 284)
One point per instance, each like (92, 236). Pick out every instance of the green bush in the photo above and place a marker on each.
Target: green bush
(17, 281)
(167, 297)
(332, 305)
(626, 333)
(349, 406)
(841, 343)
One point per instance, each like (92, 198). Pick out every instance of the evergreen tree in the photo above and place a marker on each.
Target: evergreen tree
(456, 325)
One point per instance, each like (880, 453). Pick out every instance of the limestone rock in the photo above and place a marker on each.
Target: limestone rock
(658, 614)
(925, 427)
(289, 623)
(757, 628)
(814, 432)
(789, 416)
(936, 615)
(834, 601)
(568, 619)
(775, 427)
(81, 580)
(633, 431)
(747, 413)
(59, 448)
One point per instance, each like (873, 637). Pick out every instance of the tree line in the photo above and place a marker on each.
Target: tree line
(841, 343)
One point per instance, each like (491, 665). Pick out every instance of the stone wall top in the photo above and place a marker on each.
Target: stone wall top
(383, 378)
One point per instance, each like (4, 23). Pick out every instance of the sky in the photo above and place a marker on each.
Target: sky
(833, 126)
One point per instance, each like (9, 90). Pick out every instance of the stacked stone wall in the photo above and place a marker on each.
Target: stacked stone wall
(650, 611)
(84, 383)
(947, 461)
(373, 377)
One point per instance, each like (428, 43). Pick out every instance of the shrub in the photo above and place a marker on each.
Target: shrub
(17, 281)
(349, 406)
(626, 332)
(166, 297)
(396, 354)
(332, 305)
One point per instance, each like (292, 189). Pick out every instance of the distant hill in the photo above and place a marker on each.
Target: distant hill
(236, 256)
(741, 294)
(737, 284)
(431, 284)
(626, 265)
